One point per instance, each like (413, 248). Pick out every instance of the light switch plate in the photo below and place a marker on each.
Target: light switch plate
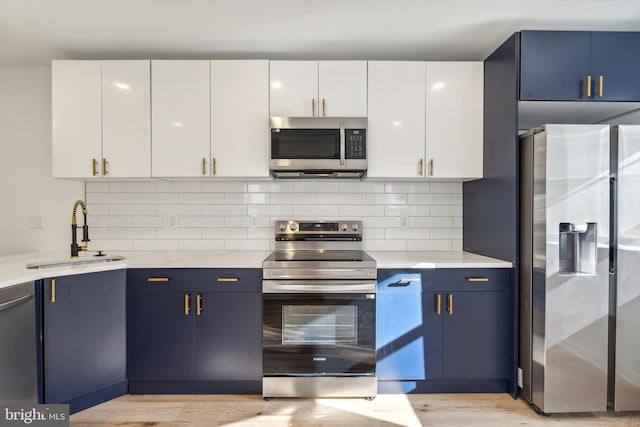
(35, 221)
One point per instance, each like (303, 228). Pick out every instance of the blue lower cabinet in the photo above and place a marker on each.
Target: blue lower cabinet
(83, 348)
(445, 330)
(160, 336)
(194, 331)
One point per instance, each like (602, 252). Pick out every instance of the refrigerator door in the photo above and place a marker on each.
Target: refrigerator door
(627, 366)
(570, 277)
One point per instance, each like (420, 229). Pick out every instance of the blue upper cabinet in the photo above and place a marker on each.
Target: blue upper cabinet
(579, 66)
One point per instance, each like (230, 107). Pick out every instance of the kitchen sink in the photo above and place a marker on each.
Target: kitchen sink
(75, 261)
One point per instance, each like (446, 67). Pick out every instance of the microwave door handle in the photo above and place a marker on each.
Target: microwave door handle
(342, 144)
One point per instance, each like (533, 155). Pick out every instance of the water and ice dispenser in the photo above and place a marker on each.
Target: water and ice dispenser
(578, 248)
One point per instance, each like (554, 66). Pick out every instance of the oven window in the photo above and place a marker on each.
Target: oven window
(305, 144)
(319, 324)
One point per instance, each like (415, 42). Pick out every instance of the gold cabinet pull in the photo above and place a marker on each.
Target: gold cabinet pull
(450, 304)
(323, 110)
(589, 85)
(600, 85)
(228, 279)
(477, 279)
(204, 166)
(105, 171)
(187, 307)
(53, 290)
(213, 167)
(157, 279)
(420, 167)
(313, 107)
(95, 167)
(439, 304)
(198, 304)
(431, 167)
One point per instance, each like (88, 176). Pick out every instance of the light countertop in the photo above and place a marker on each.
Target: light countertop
(13, 267)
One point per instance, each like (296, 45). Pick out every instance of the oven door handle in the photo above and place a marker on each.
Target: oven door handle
(318, 286)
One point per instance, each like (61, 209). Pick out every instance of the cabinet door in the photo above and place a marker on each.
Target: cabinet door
(454, 107)
(180, 113)
(293, 88)
(396, 125)
(160, 335)
(342, 88)
(84, 343)
(476, 335)
(614, 56)
(228, 338)
(554, 65)
(240, 118)
(77, 123)
(408, 328)
(126, 119)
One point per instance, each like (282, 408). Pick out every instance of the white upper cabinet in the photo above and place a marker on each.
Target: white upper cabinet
(425, 119)
(101, 119)
(240, 118)
(180, 118)
(396, 125)
(126, 121)
(342, 88)
(77, 122)
(318, 88)
(454, 119)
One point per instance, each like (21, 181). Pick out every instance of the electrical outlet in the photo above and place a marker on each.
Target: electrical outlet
(35, 221)
(404, 221)
(253, 221)
(170, 221)
(520, 378)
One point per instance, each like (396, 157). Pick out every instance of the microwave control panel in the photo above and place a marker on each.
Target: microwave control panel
(355, 143)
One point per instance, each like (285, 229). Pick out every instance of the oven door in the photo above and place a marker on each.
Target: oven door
(319, 334)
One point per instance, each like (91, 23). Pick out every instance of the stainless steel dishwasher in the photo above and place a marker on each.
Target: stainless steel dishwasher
(18, 356)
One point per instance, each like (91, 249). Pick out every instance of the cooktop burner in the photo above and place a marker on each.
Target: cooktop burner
(320, 255)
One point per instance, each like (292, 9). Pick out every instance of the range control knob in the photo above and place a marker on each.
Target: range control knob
(354, 227)
(282, 227)
(345, 227)
(292, 226)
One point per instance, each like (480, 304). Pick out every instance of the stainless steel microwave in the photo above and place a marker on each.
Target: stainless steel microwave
(323, 147)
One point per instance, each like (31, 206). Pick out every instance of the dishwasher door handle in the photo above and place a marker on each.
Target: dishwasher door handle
(17, 301)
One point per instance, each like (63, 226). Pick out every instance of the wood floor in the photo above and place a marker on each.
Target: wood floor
(448, 410)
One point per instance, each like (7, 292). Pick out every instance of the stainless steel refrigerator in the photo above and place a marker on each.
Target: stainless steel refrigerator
(625, 280)
(564, 267)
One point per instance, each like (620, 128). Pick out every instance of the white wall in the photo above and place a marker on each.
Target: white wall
(26, 186)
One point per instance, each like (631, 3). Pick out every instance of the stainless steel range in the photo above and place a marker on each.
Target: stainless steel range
(319, 305)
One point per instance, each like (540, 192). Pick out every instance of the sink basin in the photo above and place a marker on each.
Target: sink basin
(75, 261)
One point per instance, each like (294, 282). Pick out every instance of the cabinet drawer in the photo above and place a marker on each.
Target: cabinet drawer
(451, 279)
(194, 279)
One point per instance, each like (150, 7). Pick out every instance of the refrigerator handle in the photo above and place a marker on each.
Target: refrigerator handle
(613, 224)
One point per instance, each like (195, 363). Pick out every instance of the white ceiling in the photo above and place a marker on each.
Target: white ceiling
(33, 32)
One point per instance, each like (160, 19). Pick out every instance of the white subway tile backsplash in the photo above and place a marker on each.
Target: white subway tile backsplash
(148, 221)
(315, 187)
(179, 209)
(132, 210)
(201, 198)
(238, 215)
(179, 233)
(132, 187)
(155, 198)
(224, 187)
(224, 210)
(446, 187)
(384, 199)
(320, 211)
(200, 221)
(408, 188)
(156, 245)
(178, 187)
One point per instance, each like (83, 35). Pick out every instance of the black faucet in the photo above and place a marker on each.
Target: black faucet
(75, 247)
